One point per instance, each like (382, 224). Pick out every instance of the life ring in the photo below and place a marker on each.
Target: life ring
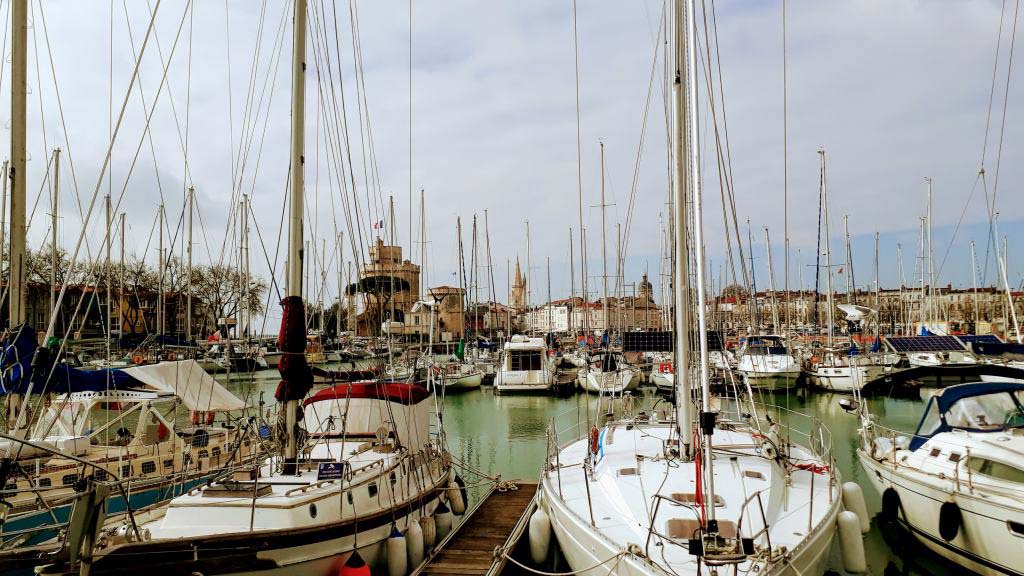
(891, 504)
(137, 359)
(595, 437)
(950, 520)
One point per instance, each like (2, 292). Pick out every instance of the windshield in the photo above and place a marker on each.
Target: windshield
(987, 412)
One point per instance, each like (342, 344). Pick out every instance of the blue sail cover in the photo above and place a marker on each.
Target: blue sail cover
(23, 363)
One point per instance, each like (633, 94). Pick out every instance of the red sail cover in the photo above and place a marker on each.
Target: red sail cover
(296, 377)
(398, 392)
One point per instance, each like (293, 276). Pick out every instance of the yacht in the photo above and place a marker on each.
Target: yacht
(843, 371)
(957, 483)
(524, 366)
(765, 362)
(608, 373)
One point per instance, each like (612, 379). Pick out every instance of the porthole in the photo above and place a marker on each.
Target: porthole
(312, 510)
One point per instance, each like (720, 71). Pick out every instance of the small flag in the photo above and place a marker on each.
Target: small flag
(378, 224)
(840, 270)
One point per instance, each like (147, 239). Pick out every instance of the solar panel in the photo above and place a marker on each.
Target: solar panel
(925, 344)
(980, 339)
(663, 341)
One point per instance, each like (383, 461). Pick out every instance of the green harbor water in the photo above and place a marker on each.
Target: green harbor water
(508, 436)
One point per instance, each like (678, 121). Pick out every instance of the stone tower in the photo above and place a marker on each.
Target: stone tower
(646, 290)
(517, 300)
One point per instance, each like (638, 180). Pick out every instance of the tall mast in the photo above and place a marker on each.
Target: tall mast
(771, 282)
(121, 290)
(849, 261)
(903, 302)
(974, 281)
(106, 269)
(931, 265)
(707, 416)
(188, 252)
(54, 205)
(159, 275)
(550, 329)
(604, 253)
(572, 284)
(828, 249)
(680, 272)
(18, 174)
(490, 267)
(529, 267)
(295, 209)
(341, 280)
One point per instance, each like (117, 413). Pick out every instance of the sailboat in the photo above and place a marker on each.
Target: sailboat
(360, 468)
(648, 494)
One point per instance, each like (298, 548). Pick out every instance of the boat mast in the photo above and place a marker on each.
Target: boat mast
(771, 282)
(490, 268)
(55, 202)
(16, 272)
(188, 252)
(341, 279)
(903, 301)
(680, 272)
(828, 250)
(572, 286)
(106, 269)
(931, 265)
(604, 254)
(849, 262)
(974, 281)
(707, 416)
(295, 211)
(120, 299)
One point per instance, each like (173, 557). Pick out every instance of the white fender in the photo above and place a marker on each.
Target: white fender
(853, 500)
(429, 527)
(458, 505)
(851, 544)
(443, 519)
(540, 536)
(397, 550)
(414, 543)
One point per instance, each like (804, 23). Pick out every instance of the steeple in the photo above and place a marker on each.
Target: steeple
(517, 300)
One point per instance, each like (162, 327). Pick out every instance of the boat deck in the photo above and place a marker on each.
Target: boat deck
(496, 520)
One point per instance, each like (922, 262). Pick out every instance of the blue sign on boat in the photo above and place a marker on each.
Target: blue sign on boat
(330, 471)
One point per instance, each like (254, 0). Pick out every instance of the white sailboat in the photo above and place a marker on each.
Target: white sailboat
(631, 496)
(765, 362)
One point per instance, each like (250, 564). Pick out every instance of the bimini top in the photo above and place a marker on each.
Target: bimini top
(974, 407)
(398, 392)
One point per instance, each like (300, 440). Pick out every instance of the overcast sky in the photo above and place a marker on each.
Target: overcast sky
(894, 91)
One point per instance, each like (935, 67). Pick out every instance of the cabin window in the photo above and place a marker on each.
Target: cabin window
(931, 421)
(11, 486)
(954, 456)
(126, 470)
(1015, 528)
(100, 475)
(524, 360)
(995, 469)
(169, 463)
(44, 483)
(204, 454)
(69, 479)
(372, 489)
(935, 452)
(148, 467)
(215, 452)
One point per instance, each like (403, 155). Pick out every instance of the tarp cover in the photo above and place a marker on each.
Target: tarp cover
(186, 379)
(296, 377)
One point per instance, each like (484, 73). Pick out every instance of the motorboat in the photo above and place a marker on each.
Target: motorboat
(848, 370)
(765, 362)
(524, 366)
(957, 483)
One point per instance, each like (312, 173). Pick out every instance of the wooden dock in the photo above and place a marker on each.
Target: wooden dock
(498, 519)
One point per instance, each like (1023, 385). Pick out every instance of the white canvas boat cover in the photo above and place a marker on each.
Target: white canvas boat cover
(187, 380)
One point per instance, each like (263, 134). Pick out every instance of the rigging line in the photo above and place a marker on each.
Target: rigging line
(342, 126)
(3, 43)
(147, 135)
(579, 156)
(251, 122)
(992, 89)
(1006, 99)
(231, 98)
(956, 230)
(250, 90)
(372, 184)
(639, 151)
(354, 25)
(785, 163)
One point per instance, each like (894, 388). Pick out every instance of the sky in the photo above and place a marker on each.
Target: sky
(893, 91)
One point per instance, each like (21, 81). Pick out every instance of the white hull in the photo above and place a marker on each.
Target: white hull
(845, 378)
(599, 382)
(984, 544)
(523, 381)
(465, 381)
(620, 508)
